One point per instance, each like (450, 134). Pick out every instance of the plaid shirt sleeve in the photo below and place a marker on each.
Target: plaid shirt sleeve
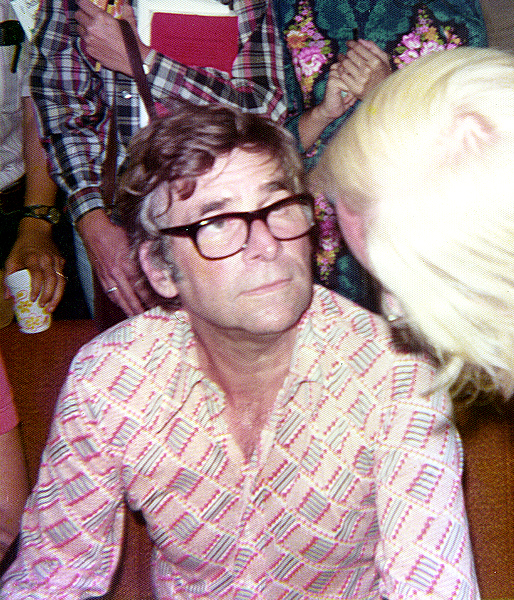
(256, 83)
(73, 105)
(74, 99)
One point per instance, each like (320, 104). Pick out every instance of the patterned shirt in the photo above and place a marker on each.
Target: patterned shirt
(74, 100)
(354, 490)
(313, 32)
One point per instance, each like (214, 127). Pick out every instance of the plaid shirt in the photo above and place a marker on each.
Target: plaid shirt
(74, 100)
(353, 490)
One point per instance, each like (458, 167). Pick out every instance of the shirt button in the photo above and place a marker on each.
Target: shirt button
(126, 94)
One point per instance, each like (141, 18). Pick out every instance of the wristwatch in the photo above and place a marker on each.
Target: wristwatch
(40, 211)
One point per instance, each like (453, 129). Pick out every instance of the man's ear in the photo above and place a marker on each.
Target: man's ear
(159, 276)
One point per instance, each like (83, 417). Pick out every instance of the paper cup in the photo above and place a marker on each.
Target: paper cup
(30, 316)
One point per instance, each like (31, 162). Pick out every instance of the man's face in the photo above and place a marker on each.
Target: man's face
(264, 288)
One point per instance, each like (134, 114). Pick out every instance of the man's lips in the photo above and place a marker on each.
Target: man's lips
(267, 288)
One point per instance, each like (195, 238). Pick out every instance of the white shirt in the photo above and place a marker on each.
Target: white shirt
(12, 87)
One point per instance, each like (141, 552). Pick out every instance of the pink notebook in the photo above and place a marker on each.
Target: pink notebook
(196, 40)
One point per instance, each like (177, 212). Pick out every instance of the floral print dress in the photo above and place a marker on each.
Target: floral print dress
(313, 33)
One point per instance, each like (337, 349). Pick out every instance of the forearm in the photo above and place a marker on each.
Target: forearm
(60, 532)
(40, 188)
(14, 487)
(311, 125)
(199, 86)
(256, 82)
(425, 543)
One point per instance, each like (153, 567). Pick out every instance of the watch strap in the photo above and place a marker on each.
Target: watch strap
(41, 211)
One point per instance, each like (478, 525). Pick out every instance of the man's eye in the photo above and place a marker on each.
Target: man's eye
(222, 225)
(216, 225)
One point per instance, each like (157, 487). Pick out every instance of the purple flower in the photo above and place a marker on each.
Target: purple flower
(311, 60)
(411, 41)
(430, 46)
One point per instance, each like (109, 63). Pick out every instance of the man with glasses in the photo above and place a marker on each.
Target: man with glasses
(275, 441)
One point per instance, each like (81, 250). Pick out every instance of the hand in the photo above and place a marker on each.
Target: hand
(337, 99)
(363, 67)
(102, 37)
(108, 249)
(336, 102)
(34, 250)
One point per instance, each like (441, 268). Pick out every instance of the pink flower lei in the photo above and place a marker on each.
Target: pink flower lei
(329, 236)
(423, 39)
(309, 50)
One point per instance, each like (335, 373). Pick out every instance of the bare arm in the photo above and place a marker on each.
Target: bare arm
(350, 79)
(34, 248)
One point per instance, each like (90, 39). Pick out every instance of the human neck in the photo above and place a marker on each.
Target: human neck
(243, 364)
(251, 372)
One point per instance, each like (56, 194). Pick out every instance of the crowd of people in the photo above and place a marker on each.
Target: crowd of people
(277, 439)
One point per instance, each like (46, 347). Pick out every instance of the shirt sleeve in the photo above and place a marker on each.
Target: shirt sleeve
(73, 103)
(425, 549)
(8, 416)
(73, 522)
(256, 83)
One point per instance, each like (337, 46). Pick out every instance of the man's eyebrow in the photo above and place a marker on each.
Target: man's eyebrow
(213, 206)
(276, 185)
(219, 205)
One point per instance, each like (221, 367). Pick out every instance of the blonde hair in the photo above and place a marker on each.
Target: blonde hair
(428, 162)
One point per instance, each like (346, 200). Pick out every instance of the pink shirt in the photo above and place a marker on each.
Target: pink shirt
(8, 416)
(354, 490)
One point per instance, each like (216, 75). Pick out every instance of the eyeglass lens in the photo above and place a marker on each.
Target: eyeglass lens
(224, 236)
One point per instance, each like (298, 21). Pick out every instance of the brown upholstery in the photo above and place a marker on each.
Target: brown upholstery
(488, 436)
(37, 365)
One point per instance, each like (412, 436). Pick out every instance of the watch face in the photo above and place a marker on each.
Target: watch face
(53, 215)
(48, 213)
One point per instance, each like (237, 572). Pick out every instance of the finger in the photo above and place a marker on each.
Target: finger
(80, 17)
(361, 57)
(374, 49)
(127, 13)
(126, 300)
(122, 293)
(36, 282)
(89, 8)
(350, 72)
(53, 284)
(58, 292)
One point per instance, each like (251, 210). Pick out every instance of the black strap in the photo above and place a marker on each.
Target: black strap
(137, 68)
(110, 166)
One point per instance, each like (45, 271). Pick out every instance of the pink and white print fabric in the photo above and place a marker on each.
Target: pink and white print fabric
(354, 491)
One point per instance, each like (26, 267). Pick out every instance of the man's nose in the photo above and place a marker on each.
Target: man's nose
(261, 243)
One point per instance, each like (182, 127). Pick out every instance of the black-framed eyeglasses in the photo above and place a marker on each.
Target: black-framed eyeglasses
(227, 234)
(12, 34)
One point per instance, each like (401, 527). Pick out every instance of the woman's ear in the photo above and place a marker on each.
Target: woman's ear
(160, 277)
(468, 134)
